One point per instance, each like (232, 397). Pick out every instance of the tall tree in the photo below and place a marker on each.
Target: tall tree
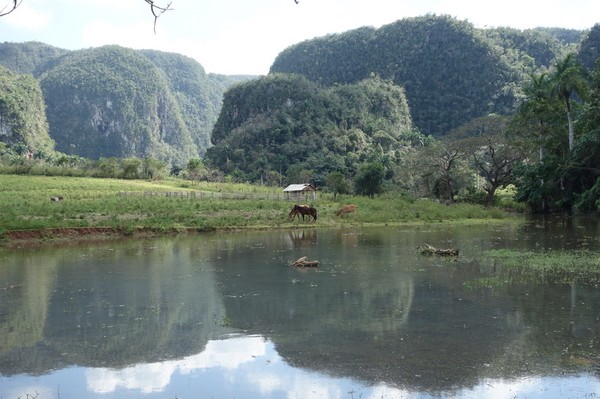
(569, 79)
(369, 179)
(538, 126)
(490, 152)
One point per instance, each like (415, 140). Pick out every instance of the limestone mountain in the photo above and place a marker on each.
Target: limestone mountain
(281, 124)
(23, 125)
(452, 72)
(114, 102)
(30, 57)
(117, 102)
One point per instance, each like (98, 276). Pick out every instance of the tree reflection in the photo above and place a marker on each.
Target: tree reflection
(374, 310)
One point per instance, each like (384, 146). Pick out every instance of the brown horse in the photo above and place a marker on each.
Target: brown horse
(298, 210)
(345, 209)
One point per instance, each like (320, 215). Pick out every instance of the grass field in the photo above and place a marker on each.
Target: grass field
(172, 205)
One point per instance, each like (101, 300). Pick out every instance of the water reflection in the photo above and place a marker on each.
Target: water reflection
(250, 367)
(225, 316)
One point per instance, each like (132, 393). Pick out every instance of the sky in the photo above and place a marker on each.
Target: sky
(244, 36)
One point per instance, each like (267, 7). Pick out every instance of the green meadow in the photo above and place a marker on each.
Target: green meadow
(174, 204)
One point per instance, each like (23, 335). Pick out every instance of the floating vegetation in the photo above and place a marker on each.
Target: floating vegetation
(561, 267)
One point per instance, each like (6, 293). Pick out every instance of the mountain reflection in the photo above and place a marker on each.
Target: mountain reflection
(226, 316)
(250, 367)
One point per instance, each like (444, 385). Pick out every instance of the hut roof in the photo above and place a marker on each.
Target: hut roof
(299, 187)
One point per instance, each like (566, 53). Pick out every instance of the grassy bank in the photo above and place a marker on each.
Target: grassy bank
(172, 205)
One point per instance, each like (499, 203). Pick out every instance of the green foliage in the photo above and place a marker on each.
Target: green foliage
(589, 51)
(29, 58)
(23, 124)
(109, 167)
(153, 169)
(116, 102)
(564, 175)
(554, 266)
(369, 179)
(299, 129)
(490, 152)
(132, 168)
(337, 183)
(113, 102)
(196, 93)
(451, 71)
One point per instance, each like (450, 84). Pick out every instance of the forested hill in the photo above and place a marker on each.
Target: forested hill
(29, 58)
(285, 126)
(117, 102)
(23, 123)
(451, 71)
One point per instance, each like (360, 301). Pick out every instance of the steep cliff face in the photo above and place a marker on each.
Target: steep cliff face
(23, 124)
(192, 89)
(114, 102)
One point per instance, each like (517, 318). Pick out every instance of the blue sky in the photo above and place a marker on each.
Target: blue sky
(245, 36)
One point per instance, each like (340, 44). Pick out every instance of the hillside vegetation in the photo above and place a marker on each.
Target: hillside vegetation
(451, 71)
(282, 125)
(117, 102)
(113, 102)
(23, 124)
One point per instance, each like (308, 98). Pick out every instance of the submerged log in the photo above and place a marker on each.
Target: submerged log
(431, 250)
(302, 262)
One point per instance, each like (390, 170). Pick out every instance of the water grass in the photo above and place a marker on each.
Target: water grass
(557, 267)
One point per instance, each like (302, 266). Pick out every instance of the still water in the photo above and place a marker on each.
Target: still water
(225, 316)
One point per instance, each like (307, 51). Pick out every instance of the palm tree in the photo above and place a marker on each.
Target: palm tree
(537, 113)
(536, 105)
(569, 78)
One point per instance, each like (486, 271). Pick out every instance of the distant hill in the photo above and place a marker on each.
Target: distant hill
(281, 125)
(23, 125)
(114, 102)
(589, 51)
(117, 102)
(451, 71)
(31, 57)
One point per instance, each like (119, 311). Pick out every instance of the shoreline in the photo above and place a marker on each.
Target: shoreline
(76, 235)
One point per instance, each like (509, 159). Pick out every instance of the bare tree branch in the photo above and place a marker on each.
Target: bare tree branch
(10, 8)
(157, 10)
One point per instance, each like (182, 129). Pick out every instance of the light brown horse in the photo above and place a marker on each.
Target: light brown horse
(298, 210)
(345, 209)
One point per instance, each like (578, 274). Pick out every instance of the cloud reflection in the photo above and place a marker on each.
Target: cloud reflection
(154, 377)
(251, 365)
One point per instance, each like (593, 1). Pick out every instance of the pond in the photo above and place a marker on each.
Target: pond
(225, 316)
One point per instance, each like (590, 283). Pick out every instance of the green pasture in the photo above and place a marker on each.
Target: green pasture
(178, 204)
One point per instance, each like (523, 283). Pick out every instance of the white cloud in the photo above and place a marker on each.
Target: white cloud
(28, 17)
